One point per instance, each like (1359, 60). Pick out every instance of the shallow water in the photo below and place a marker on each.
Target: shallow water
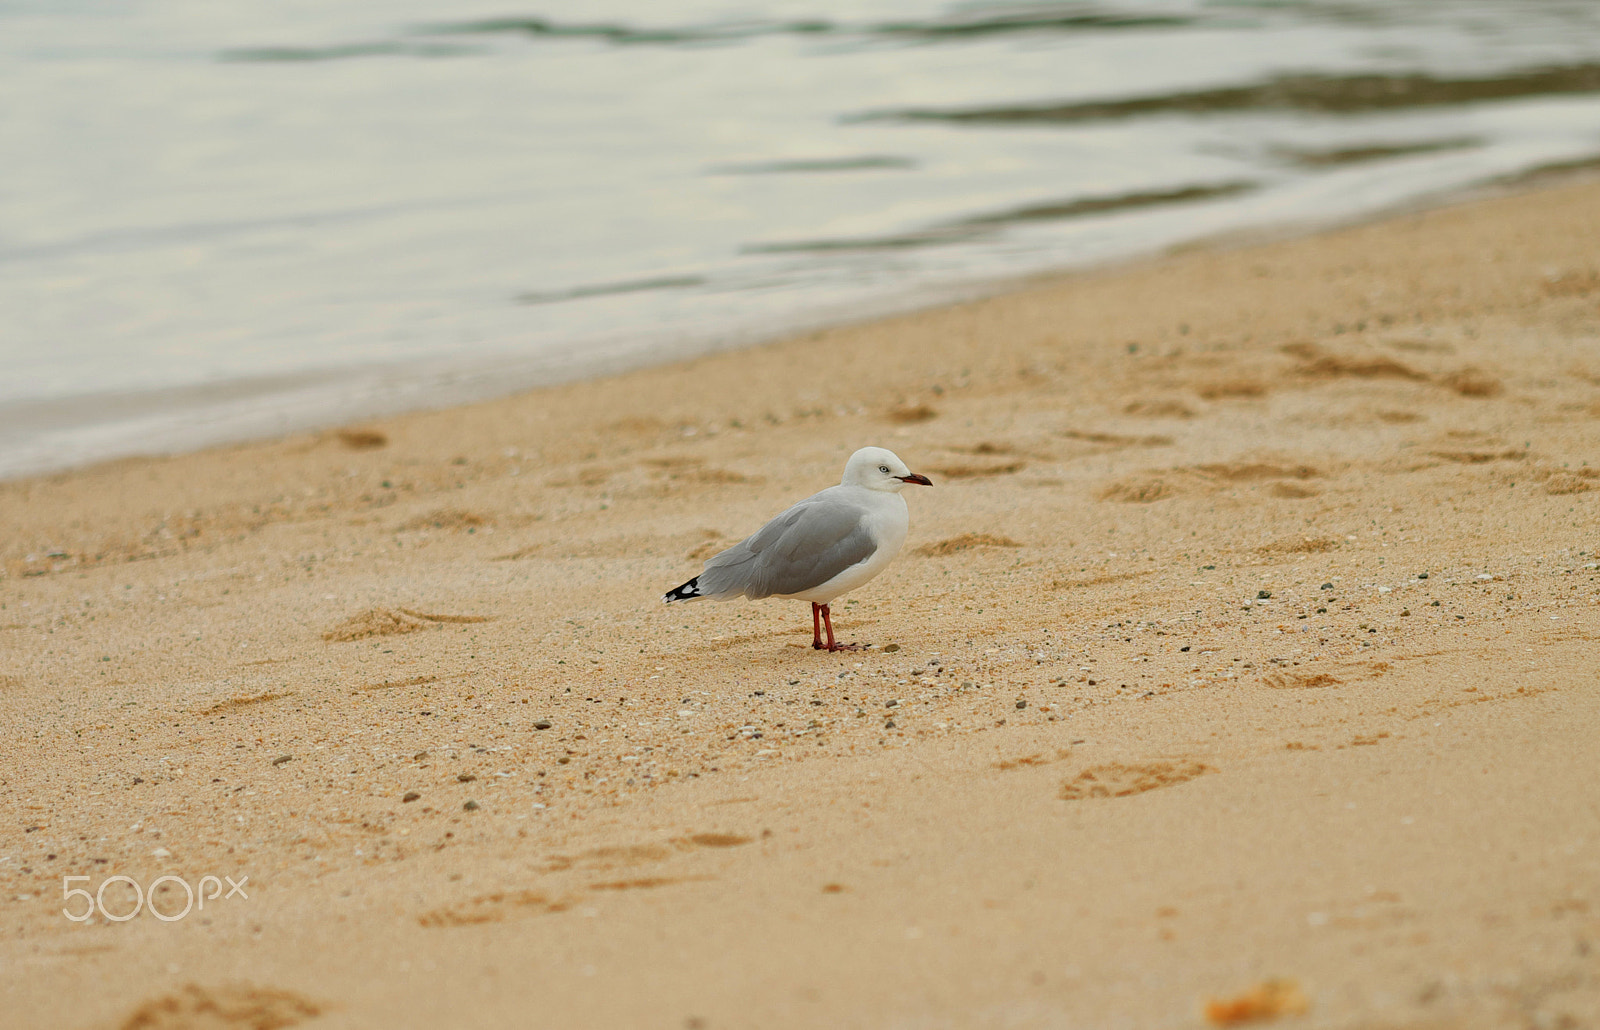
(220, 222)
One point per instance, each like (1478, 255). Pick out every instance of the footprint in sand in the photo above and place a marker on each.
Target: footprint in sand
(1119, 781)
(1145, 487)
(252, 1008)
(1400, 418)
(384, 622)
(1228, 389)
(1027, 761)
(1480, 457)
(452, 519)
(1247, 471)
(242, 701)
(975, 470)
(1115, 440)
(501, 905)
(1141, 489)
(490, 908)
(645, 883)
(1473, 382)
(1158, 407)
(610, 857)
(965, 542)
(1300, 680)
(1319, 363)
(1563, 483)
(910, 414)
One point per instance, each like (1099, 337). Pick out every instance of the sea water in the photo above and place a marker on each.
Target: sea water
(220, 221)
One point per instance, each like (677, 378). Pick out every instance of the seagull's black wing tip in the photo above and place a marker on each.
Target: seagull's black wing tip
(684, 592)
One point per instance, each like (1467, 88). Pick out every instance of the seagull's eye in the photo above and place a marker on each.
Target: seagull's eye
(884, 469)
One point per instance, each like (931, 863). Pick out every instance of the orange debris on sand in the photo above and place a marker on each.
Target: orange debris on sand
(1267, 1000)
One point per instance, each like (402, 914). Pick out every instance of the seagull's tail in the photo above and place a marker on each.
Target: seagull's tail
(686, 592)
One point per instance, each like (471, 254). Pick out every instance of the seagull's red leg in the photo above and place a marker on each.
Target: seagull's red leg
(816, 626)
(827, 620)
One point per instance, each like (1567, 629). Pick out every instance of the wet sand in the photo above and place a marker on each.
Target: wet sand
(1241, 663)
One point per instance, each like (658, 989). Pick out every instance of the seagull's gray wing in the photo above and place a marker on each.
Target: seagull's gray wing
(804, 547)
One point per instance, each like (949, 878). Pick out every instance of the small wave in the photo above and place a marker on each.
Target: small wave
(1321, 94)
(1031, 19)
(1085, 206)
(1073, 19)
(665, 282)
(1340, 156)
(624, 35)
(965, 229)
(347, 50)
(904, 241)
(867, 163)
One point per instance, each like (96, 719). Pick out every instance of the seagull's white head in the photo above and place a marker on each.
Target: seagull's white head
(877, 468)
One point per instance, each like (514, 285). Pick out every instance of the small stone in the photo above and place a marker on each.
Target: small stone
(542, 724)
(890, 704)
(1262, 595)
(282, 759)
(1022, 703)
(1184, 647)
(1326, 586)
(470, 806)
(891, 647)
(157, 853)
(563, 760)
(888, 724)
(1422, 575)
(411, 795)
(465, 778)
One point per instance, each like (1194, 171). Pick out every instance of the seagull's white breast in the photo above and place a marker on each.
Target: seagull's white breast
(887, 521)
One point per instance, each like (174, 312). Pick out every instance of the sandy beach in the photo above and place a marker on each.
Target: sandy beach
(1241, 665)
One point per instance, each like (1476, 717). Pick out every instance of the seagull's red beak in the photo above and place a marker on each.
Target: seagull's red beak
(917, 479)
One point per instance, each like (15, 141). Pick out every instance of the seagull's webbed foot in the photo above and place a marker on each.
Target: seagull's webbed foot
(822, 618)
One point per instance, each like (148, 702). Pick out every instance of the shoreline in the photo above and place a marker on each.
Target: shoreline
(175, 420)
(1239, 660)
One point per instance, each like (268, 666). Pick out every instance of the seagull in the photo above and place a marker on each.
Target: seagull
(827, 545)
